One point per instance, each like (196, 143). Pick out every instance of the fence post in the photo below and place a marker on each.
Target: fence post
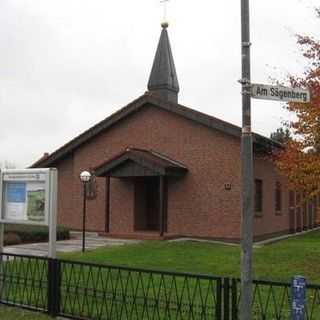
(234, 299)
(219, 299)
(226, 298)
(53, 287)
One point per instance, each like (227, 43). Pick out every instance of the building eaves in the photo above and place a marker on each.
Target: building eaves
(154, 161)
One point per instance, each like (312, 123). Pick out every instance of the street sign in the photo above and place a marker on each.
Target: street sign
(298, 298)
(279, 93)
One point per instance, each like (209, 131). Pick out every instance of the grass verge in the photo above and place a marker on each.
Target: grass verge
(7, 313)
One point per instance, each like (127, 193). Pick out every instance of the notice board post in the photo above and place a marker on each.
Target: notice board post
(29, 197)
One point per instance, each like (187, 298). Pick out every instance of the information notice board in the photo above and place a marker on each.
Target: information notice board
(29, 196)
(26, 196)
(25, 201)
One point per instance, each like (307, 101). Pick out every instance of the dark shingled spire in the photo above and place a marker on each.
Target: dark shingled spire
(163, 79)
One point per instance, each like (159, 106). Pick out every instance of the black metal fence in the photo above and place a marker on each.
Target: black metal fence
(109, 292)
(91, 291)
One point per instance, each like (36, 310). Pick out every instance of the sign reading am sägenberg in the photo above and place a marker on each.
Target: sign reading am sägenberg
(279, 93)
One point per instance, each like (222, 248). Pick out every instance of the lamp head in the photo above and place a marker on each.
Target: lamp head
(85, 176)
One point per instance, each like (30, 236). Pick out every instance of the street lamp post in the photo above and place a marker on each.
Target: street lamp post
(85, 177)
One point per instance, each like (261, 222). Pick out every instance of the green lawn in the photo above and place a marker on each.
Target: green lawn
(20, 314)
(278, 261)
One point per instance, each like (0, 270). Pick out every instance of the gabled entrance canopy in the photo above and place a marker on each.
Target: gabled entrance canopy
(135, 162)
(150, 171)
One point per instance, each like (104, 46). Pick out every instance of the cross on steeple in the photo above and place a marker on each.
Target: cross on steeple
(165, 6)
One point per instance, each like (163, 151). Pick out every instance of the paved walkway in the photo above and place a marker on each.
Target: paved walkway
(93, 241)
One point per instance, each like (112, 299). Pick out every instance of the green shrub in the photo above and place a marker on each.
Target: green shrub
(35, 233)
(11, 239)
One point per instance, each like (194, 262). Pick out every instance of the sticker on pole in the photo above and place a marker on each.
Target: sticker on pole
(26, 196)
(279, 93)
(298, 298)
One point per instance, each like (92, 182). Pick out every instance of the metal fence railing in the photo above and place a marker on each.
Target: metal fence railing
(93, 291)
(112, 292)
(272, 300)
(24, 281)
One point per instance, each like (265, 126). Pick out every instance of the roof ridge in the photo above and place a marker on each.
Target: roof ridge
(199, 117)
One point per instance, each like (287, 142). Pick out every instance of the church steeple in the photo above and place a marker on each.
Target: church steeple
(163, 79)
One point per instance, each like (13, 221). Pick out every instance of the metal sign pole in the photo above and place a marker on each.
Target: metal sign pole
(53, 180)
(1, 251)
(1, 224)
(1, 236)
(246, 169)
(1, 243)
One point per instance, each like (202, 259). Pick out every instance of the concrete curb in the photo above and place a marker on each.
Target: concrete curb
(258, 244)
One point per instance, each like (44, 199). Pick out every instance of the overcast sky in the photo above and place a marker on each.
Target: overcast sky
(67, 64)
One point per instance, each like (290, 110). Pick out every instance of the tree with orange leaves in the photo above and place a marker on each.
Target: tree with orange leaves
(300, 160)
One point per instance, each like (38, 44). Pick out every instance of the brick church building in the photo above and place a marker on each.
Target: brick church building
(162, 170)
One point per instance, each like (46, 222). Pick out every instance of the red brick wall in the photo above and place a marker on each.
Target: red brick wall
(198, 204)
(66, 212)
(269, 221)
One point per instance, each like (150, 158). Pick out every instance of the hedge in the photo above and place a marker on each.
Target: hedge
(15, 233)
